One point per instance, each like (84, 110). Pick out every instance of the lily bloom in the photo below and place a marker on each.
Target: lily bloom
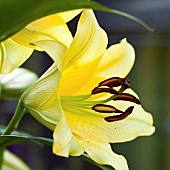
(83, 99)
(17, 49)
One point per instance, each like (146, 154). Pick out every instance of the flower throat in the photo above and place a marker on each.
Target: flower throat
(84, 104)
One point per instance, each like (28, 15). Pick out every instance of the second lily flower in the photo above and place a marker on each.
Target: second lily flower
(17, 49)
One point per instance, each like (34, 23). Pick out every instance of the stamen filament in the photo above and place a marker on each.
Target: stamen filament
(114, 96)
(77, 102)
(71, 109)
(75, 98)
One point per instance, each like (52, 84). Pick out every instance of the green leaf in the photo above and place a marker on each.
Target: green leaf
(7, 140)
(18, 137)
(16, 14)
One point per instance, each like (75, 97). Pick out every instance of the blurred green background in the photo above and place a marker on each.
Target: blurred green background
(149, 78)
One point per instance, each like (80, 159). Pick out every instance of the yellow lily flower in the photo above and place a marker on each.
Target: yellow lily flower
(12, 162)
(16, 50)
(80, 100)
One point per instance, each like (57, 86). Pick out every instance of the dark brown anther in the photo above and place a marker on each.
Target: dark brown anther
(103, 108)
(115, 82)
(121, 116)
(127, 97)
(97, 90)
(112, 82)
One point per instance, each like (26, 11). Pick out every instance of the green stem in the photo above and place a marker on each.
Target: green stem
(0, 91)
(1, 157)
(19, 112)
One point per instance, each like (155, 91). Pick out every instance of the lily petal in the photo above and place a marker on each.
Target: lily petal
(91, 125)
(51, 27)
(54, 49)
(89, 85)
(84, 54)
(103, 154)
(43, 96)
(65, 143)
(112, 64)
(42, 90)
(26, 38)
(69, 15)
(12, 55)
(45, 23)
(117, 60)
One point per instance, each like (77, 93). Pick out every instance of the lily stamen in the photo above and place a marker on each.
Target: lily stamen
(127, 97)
(103, 108)
(115, 82)
(122, 116)
(97, 90)
(107, 86)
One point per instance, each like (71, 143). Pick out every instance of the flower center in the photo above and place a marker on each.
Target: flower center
(107, 86)
(84, 103)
